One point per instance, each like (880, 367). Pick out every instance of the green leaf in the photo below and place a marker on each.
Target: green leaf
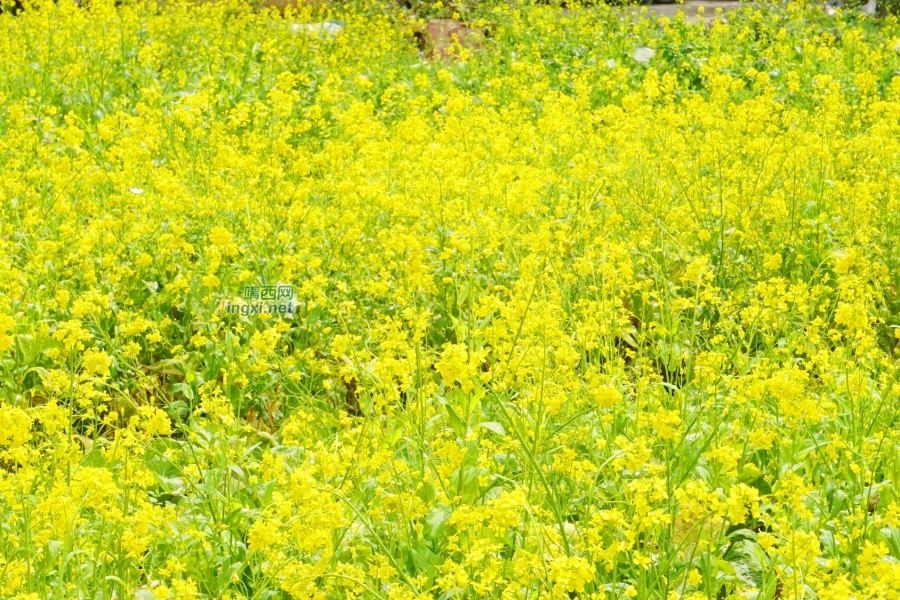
(426, 492)
(267, 437)
(761, 485)
(493, 426)
(749, 473)
(742, 572)
(744, 558)
(475, 397)
(185, 389)
(813, 443)
(425, 560)
(742, 534)
(435, 521)
(892, 537)
(456, 423)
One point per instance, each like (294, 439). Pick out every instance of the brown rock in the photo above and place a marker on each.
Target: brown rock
(281, 5)
(439, 38)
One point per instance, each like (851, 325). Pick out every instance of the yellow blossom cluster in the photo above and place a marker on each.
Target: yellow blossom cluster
(604, 306)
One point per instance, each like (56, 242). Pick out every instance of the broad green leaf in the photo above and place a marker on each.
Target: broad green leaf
(494, 427)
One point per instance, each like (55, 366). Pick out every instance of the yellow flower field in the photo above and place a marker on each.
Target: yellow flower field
(604, 306)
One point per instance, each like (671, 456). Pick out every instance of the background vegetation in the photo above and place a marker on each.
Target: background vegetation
(605, 308)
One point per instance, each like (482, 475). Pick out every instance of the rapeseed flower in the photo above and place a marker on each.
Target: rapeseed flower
(604, 306)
